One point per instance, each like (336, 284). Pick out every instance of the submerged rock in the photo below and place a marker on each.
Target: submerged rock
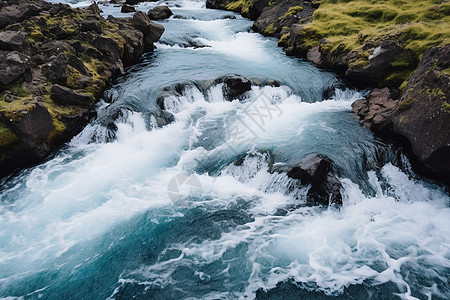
(317, 170)
(234, 86)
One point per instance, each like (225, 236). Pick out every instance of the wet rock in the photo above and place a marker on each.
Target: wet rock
(56, 69)
(66, 96)
(159, 13)
(34, 126)
(14, 41)
(376, 110)
(14, 66)
(423, 113)
(217, 4)
(152, 31)
(127, 9)
(316, 169)
(257, 8)
(234, 86)
(369, 74)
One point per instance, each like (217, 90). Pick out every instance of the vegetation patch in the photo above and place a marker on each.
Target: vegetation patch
(418, 25)
(7, 137)
(240, 6)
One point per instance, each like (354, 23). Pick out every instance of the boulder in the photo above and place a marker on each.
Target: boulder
(13, 67)
(34, 126)
(66, 96)
(76, 63)
(14, 41)
(159, 13)
(127, 9)
(234, 86)
(56, 69)
(423, 113)
(217, 4)
(376, 110)
(108, 46)
(90, 24)
(94, 9)
(17, 13)
(152, 31)
(317, 170)
(370, 73)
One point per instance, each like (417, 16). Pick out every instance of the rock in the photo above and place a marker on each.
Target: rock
(34, 126)
(281, 14)
(93, 8)
(159, 13)
(314, 55)
(66, 96)
(13, 67)
(127, 9)
(316, 169)
(371, 73)
(14, 41)
(152, 31)
(76, 63)
(423, 113)
(234, 86)
(56, 69)
(90, 24)
(17, 13)
(217, 4)
(108, 46)
(257, 8)
(376, 110)
(59, 32)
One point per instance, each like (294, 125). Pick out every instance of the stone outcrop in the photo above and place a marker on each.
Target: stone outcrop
(55, 62)
(316, 170)
(159, 13)
(234, 86)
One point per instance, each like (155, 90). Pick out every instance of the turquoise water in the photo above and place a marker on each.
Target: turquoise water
(129, 209)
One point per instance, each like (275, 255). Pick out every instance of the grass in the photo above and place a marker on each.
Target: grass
(417, 24)
(292, 11)
(7, 137)
(240, 6)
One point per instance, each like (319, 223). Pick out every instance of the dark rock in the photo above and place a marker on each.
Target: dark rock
(423, 113)
(54, 48)
(13, 67)
(93, 8)
(132, 2)
(316, 169)
(159, 13)
(76, 63)
(234, 86)
(34, 126)
(276, 16)
(59, 32)
(17, 13)
(14, 41)
(90, 24)
(379, 64)
(152, 31)
(376, 110)
(66, 96)
(107, 46)
(217, 4)
(56, 69)
(127, 9)
(257, 8)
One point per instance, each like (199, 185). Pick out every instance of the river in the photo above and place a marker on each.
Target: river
(130, 208)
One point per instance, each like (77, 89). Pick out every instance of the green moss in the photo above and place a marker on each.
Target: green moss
(7, 137)
(270, 30)
(240, 6)
(292, 11)
(446, 106)
(20, 91)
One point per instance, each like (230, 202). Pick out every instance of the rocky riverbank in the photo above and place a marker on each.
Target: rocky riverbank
(55, 63)
(401, 48)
